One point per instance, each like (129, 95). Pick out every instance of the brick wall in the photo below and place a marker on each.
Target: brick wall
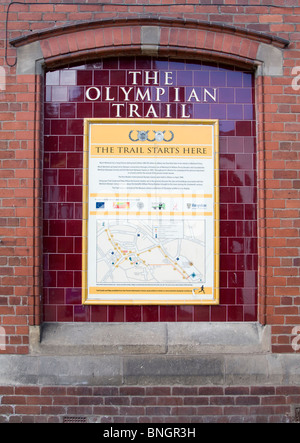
(135, 404)
(278, 124)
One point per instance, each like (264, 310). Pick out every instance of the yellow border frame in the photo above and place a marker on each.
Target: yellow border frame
(85, 200)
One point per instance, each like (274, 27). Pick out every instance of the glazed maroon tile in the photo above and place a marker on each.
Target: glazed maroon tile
(167, 313)
(78, 278)
(250, 313)
(244, 296)
(84, 110)
(74, 228)
(200, 110)
(57, 160)
(52, 110)
(51, 143)
(243, 128)
(234, 112)
(49, 279)
(49, 313)
(228, 262)
(249, 113)
(65, 313)
(53, 78)
(228, 228)
(50, 211)
(74, 160)
(75, 127)
(184, 78)
(57, 262)
(218, 78)
(73, 296)
(67, 110)
(227, 128)
(65, 210)
(99, 314)
(116, 313)
(250, 279)
(58, 127)
(118, 77)
(236, 245)
(101, 110)
(73, 262)
(226, 95)
(243, 95)
(49, 246)
(66, 143)
(65, 244)
(218, 111)
(66, 176)
(235, 79)
(127, 63)
(150, 313)
(57, 227)
(81, 313)
(84, 77)
(133, 313)
(248, 80)
(236, 279)
(68, 77)
(56, 296)
(76, 94)
(74, 194)
(50, 177)
(59, 93)
(202, 313)
(66, 106)
(185, 313)
(219, 314)
(143, 63)
(244, 262)
(110, 63)
(228, 194)
(235, 313)
(223, 211)
(65, 279)
(228, 296)
(236, 178)
(55, 193)
(235, 211)
(201, 78)
(250, 212)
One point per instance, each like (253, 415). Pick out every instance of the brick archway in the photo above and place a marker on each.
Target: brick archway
(159, 37)
(153, 37)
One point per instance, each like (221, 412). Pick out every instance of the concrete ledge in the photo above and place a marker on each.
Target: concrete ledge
(229, 370)
(149, 338)
(232, 354)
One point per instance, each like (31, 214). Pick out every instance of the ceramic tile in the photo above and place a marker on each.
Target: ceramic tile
(65, 108)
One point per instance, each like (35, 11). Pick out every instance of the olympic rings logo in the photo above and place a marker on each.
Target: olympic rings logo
(144, 136)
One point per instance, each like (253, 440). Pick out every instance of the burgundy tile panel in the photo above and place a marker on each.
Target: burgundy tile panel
(64, 110)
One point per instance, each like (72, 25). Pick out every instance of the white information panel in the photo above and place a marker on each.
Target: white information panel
(151, 212)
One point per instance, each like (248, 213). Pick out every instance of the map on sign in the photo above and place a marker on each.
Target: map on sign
(150, 232)
(150, 252)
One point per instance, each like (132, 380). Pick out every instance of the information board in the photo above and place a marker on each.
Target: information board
(150, 212)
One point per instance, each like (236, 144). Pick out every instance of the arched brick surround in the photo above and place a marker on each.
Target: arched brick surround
(161, 38)
(174, 38)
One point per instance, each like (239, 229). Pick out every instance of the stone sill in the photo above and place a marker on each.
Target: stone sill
(149, 338)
